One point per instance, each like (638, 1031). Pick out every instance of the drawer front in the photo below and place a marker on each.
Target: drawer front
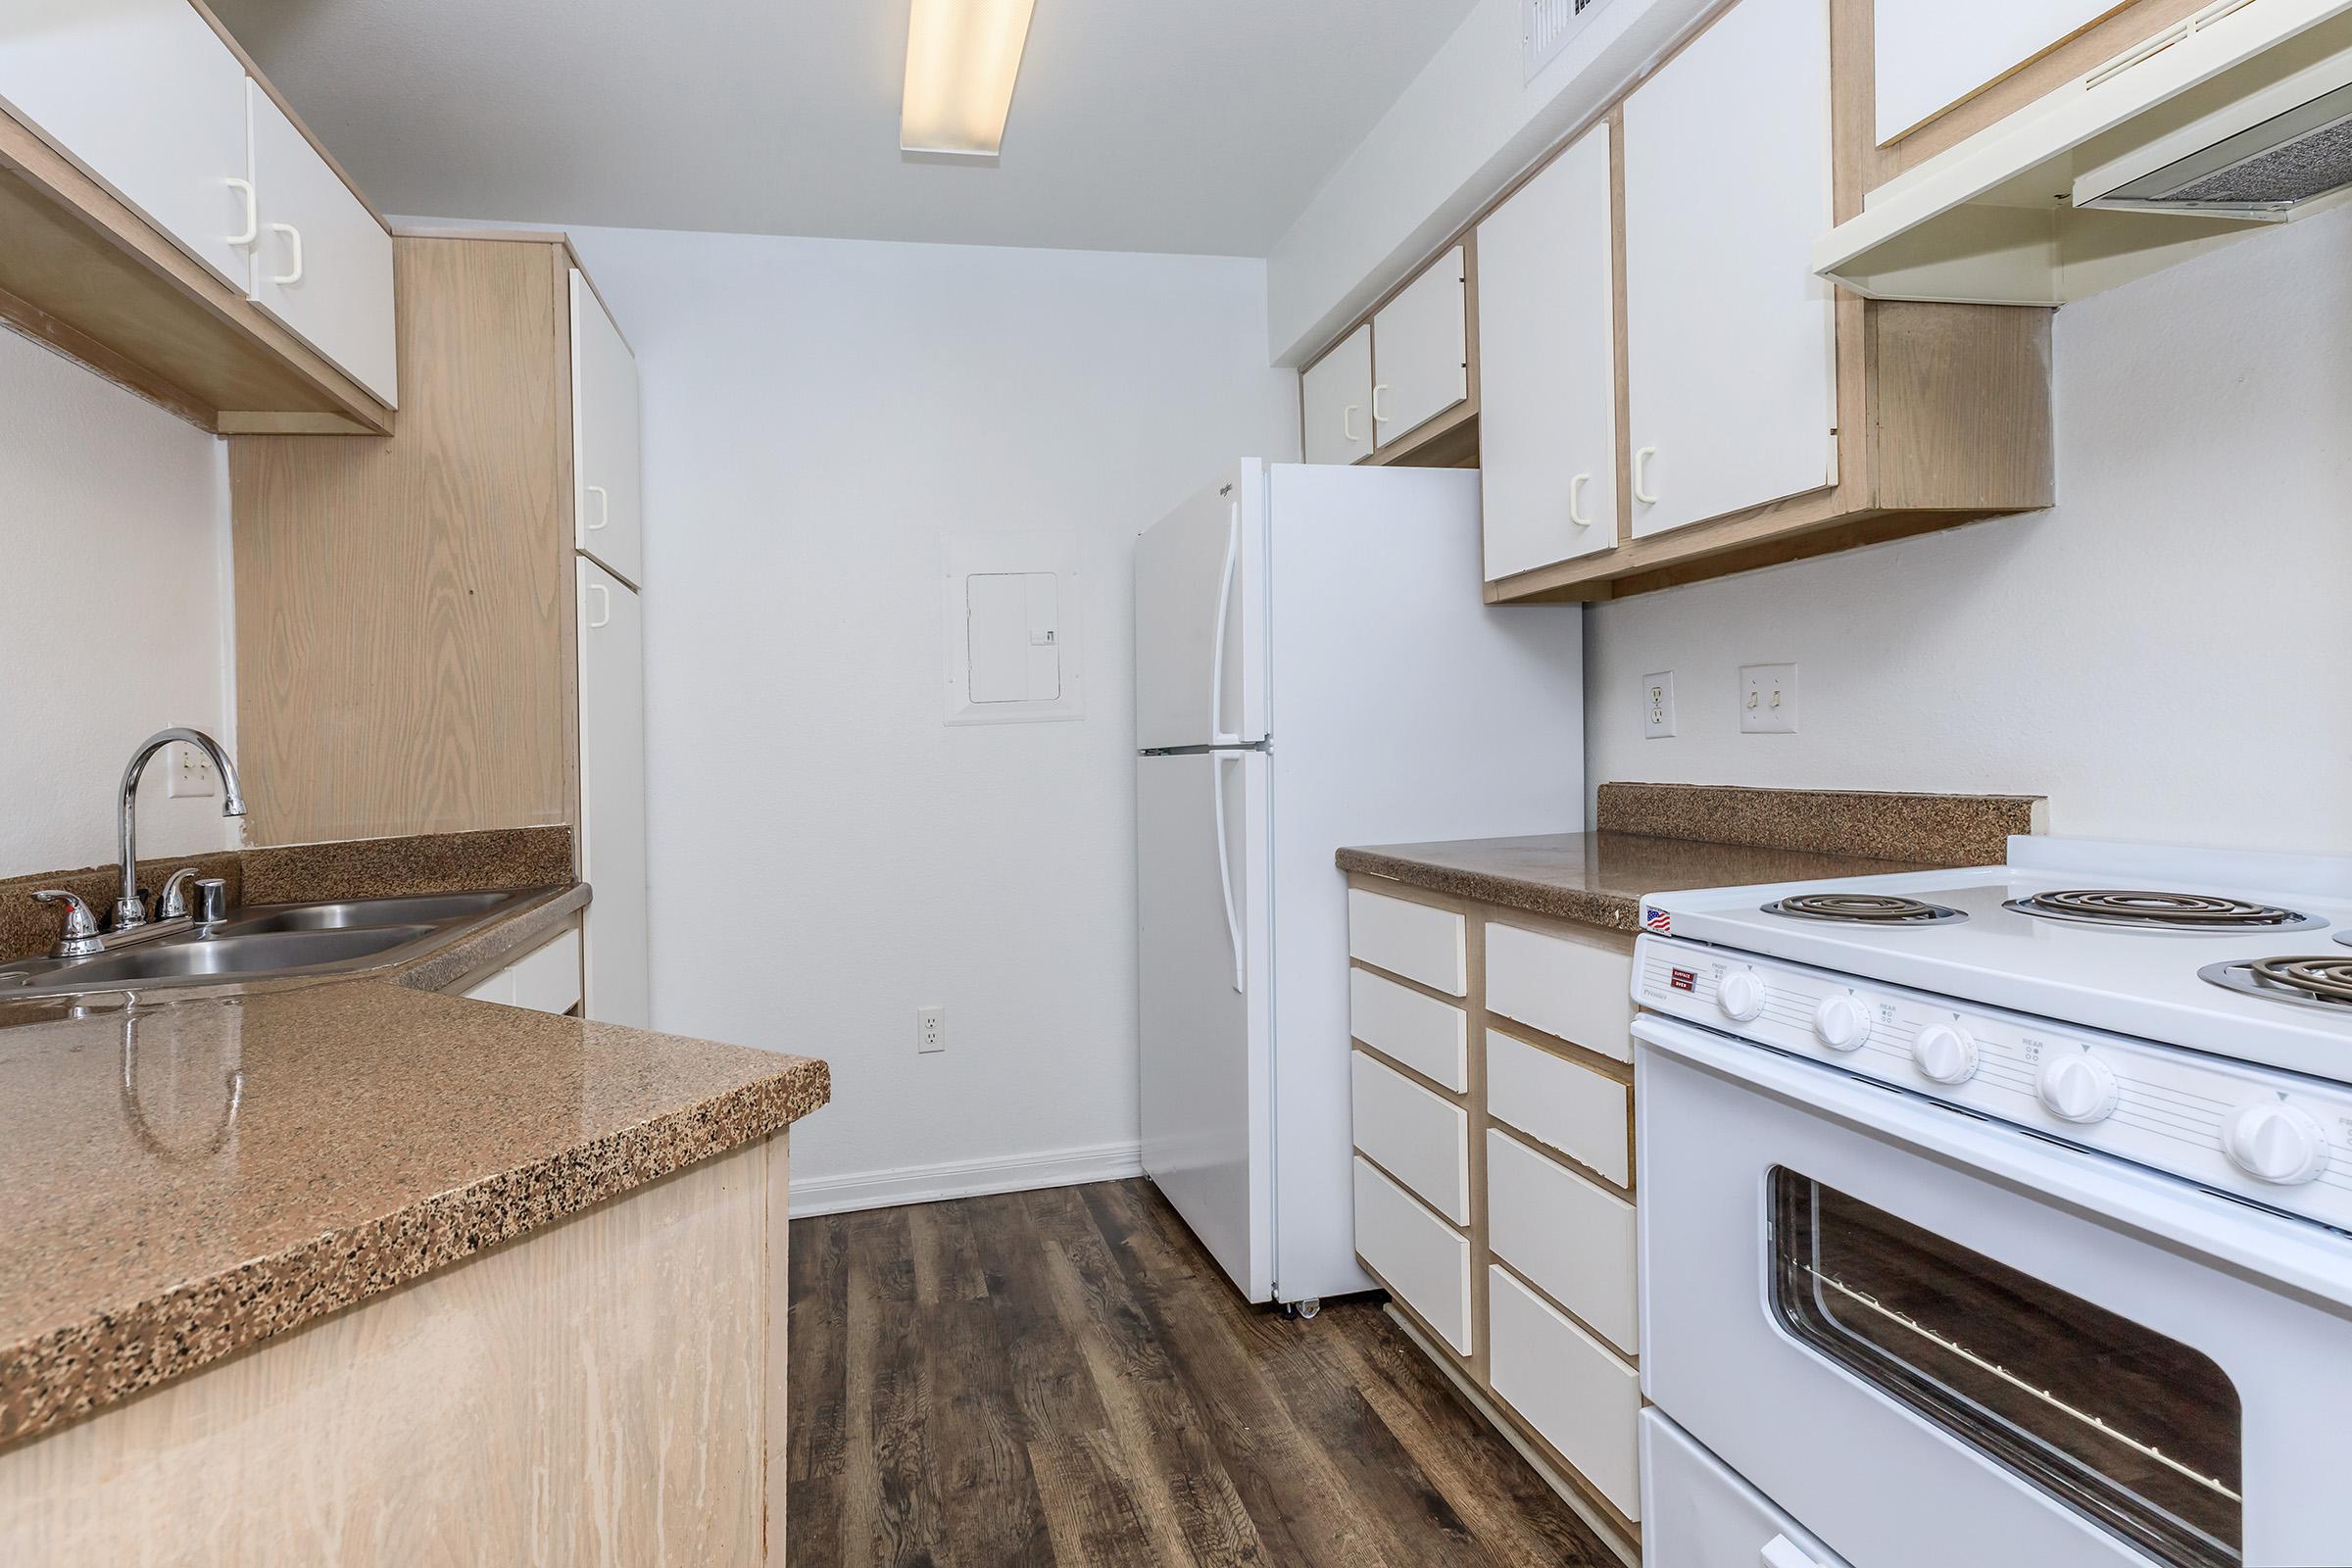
(1416, 1137)
(1568, 1387)
(1425, 1034)
(1420, 943)
(1695, 1509)
(1423, 1260)
(1576, 990)
(1553, 1100)
(1566, 1234)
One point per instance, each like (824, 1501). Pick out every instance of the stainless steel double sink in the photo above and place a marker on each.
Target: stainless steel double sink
(268, 942)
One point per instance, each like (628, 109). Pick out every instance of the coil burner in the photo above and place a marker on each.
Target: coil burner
(2144, 911)
(1861, 909)
(2309, 982)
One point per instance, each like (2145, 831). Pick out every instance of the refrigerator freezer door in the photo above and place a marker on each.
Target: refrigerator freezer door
(1199, 618)
(1201, 964)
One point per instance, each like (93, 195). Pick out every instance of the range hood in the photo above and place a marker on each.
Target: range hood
(2236, 118)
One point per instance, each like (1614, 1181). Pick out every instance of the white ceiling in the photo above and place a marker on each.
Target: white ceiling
(1197, 126)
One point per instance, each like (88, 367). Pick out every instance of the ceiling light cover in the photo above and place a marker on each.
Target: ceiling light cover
(962, 60)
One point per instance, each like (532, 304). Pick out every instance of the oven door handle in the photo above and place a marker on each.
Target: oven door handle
(2166, 1211)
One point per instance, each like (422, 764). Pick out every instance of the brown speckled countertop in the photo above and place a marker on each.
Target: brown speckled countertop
(182, 1178)
(1658, 838)
(1594, 878)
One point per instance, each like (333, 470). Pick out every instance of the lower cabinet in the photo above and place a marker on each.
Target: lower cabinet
(545, 979)
(1494, 1166)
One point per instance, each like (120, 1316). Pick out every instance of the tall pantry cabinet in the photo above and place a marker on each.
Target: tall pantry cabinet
(441, 630)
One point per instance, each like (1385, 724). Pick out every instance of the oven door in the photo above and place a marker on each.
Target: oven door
(1944, 1343)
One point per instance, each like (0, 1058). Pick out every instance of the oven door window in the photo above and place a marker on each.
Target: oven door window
(2138, 1432)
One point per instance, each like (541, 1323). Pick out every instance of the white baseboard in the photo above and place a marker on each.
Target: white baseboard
(963, 1178)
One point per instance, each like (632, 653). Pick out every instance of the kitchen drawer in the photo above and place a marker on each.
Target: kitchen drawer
(1582, 1114)
(1416, 1137)
(1571, 1237)
(1429, 1036)
(1698, 1511)
(1414, 940)
(1579, 991)
(1423, 1261)
(1567, 1385)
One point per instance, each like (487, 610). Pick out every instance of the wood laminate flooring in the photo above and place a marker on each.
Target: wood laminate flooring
(1064, 1379)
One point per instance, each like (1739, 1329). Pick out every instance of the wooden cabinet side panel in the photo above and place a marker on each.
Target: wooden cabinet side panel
(603, 1391)
(402, 602)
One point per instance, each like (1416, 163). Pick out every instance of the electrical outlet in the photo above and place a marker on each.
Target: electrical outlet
(930, 1029)
(1768, 698)
(191, 774)
(1657, 705)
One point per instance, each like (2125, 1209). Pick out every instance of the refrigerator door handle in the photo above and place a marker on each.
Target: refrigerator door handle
(1218, 735)
(1233, 927)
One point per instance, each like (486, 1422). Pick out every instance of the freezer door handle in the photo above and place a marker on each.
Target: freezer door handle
(1233, 927)
(1218, 734)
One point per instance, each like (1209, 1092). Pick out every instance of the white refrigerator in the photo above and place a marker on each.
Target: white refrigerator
(1314, 666)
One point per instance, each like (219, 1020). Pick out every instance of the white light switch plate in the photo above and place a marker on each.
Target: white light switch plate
(1768, 698)
(1657, 705)
(191, 774)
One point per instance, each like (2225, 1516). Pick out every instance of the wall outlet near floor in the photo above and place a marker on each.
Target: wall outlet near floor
(191, 774)
(1657, 705)
(1768, 698)
(930, 1029)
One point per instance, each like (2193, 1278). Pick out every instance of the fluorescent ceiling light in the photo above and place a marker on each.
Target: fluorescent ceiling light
(962, 59)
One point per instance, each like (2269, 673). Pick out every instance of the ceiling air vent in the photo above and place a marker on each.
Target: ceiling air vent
(1546, 26)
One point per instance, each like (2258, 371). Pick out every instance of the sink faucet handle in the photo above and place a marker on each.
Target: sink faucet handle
(80, 938)
(211, 900)
(172, 903)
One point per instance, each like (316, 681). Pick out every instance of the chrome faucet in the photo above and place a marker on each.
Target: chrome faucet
(130, 913)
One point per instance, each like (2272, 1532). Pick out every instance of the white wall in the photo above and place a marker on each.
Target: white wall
(114, 611)
(1458, 134)
(828, 855)
(2167, 654)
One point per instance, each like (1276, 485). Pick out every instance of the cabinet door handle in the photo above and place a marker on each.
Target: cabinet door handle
(1642, 491)
(603, 604)
(1576, 501)
(294, 244)
(253, 213)
(604, 508)
(1378, 417)
(1347, 423)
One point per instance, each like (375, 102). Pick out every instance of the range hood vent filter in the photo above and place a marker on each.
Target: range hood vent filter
(2265, 171)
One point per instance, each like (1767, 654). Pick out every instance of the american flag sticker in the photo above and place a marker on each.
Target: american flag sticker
(1657, 920)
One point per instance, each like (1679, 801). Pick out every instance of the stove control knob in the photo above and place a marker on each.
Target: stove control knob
(2276, 1140)
(1739, 993)
(2076, 1086)
(1843, 1022)
(1945, 1053)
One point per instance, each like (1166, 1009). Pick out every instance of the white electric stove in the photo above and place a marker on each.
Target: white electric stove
(2043, 1175)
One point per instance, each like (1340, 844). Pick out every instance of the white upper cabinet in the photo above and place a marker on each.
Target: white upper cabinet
(1933, 54)
(148, 101)
(1547, 366)
(1421, 351)
(604, 439)
(1731, 374)
(323, 264)
(1336, 401)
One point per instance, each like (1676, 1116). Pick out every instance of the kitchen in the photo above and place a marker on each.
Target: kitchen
(1365, 1201)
